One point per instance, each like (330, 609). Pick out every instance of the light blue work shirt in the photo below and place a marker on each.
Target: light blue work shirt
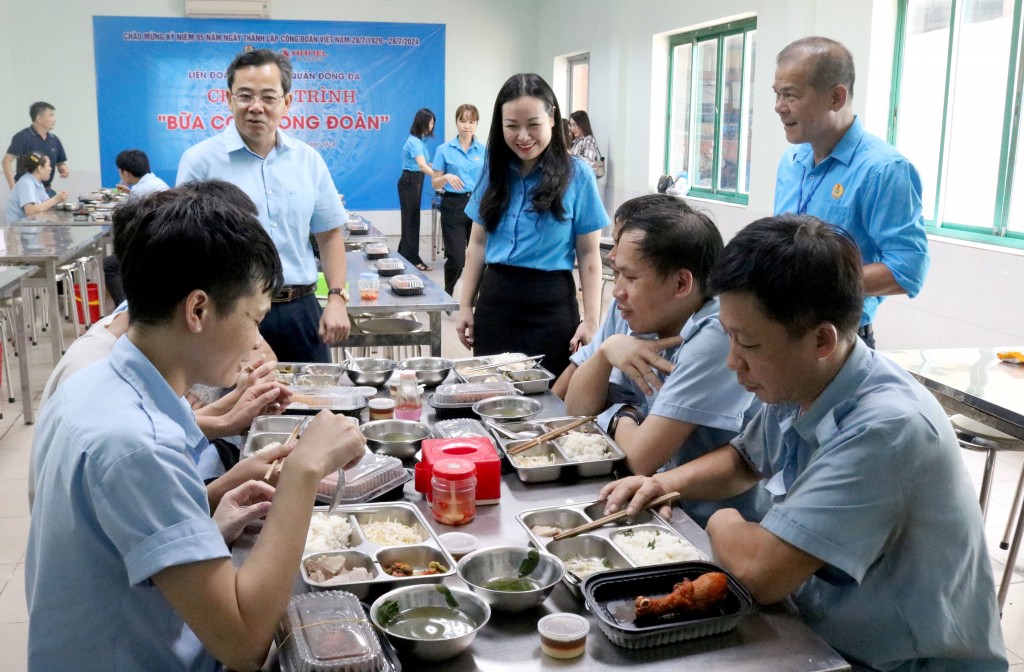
(147, 184)
(27, 190)
(529, 239)
(292, 190)
(117, 501)
(467, 165)
(412, 148)
(612, 324)
(870, 480)
(869, 190)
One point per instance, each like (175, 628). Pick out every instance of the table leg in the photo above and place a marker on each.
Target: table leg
(435, 333)
(57, 337)
(20, 342)
(83, 295)
(1011, 560)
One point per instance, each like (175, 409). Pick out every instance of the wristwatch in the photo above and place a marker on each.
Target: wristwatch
(340, 291)
(626, 411)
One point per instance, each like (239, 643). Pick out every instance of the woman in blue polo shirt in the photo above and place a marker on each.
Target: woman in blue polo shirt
(410, 185)
(535, 212)
(458, 165)
(29, 196)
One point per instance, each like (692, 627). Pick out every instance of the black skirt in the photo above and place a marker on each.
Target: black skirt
(526, 310)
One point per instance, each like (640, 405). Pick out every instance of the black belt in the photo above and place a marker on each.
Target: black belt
(293, 292)
(456, 194)
(866, 331)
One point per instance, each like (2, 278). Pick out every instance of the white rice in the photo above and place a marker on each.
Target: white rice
(581, 566)
(581, 447)
(533, 460)
(652, 547)
(391, 533)
(272, 444)
(328, 533)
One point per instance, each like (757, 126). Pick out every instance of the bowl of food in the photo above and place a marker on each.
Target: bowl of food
(398, 438)
(370, 370)
(511, 578)
(430, 622)
(431, 371)
(507, 409)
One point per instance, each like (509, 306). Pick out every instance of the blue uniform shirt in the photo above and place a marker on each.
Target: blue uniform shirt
(117, 501)
(26, 190)
(147, 184)
(292, 190)
(27, 141)
(620, 388)
(412, 148)
(468, 166)
(535, 240)
(870, 480)
(871, 191)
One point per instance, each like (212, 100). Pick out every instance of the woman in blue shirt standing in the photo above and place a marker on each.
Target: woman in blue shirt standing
(458, 165)
(29, 196)
(410, 185)
(535, 212)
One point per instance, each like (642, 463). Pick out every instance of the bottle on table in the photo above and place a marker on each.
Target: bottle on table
(408, 405)
(453, 491)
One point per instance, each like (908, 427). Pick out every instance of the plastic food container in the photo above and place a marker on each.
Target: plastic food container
(357, 227)
(453, 498)
(382, 409)
(470, 393)
(459, 543)
(406, 285)
(389, 267)
(374, 476)
(369, 286)
(563, 635)
(328, 632)
(376, 250)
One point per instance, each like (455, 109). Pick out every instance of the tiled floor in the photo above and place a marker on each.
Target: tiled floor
(16, 440)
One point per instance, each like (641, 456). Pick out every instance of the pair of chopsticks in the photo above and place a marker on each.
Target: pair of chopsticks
(604, 520)
(533, 443)
(473, 369)
(278, 464)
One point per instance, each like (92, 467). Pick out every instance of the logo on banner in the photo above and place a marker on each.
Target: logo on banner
(306, 55)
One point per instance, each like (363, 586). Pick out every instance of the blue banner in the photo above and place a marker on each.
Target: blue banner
(161, 88)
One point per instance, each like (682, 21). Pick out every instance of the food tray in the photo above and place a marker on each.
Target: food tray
(563, 464)
(379, 654)
(460, 428)
(289, 373)
(365, 553)
(373, 477)
(406, 285)
(456, 400)
(531, 381)
(599, 544)
(389, 267)
(339, 399)
(357, 228)
(611, 596)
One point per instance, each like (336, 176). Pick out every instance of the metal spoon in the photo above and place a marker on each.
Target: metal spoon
(339, 491)
(515, 436)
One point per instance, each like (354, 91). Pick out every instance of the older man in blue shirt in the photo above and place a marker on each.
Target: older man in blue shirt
(845, 176)
(874, 529)
(293, 190)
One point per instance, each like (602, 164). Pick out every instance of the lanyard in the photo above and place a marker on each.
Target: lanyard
(802, 204)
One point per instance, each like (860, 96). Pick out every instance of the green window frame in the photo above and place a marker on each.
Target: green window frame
(707, 128)
(1006, 226)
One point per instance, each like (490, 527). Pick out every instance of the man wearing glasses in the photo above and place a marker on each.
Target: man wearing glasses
(295, 195)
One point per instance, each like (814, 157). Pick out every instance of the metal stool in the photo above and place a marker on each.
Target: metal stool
(82, 267)
(436, 242)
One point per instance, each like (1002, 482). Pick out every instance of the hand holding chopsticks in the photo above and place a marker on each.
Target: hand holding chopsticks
(533, 443)
(604, 520)
(277, 464)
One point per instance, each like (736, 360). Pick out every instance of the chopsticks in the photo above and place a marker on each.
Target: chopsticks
(278, 464)
(533, 443)
(481, 367)
(604, 520)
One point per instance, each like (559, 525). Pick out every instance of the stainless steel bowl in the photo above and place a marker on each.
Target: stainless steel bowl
(389, 325)
(502, 562)
(506, 409)
(370, 370)
(398, 438)
(412, 597)
(431, 371)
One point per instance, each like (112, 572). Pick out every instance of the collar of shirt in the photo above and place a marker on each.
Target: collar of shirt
(704, 314)
(233, 141)
(836, 399)
(474, 146)
(842, 152)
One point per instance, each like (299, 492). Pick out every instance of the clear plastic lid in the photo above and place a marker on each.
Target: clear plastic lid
(460, 428)
(328, 632)
(563, 627)
(366, 478)
(469, 393)
(406, 282)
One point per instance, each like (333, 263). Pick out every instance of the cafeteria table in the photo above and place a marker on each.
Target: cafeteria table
(11, 278)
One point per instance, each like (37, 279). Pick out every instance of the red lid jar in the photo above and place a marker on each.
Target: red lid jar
(453, 491)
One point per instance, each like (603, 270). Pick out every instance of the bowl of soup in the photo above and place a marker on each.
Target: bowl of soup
(430, 622)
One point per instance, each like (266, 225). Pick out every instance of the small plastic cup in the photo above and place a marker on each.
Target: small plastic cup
(382, 409)
(369, 286)
(563, 635)
(458, 543)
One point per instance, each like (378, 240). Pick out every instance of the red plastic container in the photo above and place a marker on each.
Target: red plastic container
(93, 291)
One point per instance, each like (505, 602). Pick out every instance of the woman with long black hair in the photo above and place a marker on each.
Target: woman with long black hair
(535, 212)
(410, 185)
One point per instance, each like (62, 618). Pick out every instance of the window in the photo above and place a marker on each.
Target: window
(579, 83)
(956, 114)
(711, 74)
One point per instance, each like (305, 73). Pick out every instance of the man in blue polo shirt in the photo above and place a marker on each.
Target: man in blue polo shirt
(37, 138)
(845, 176)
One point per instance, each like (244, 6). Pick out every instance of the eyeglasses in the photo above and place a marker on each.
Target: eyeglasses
(247, 99)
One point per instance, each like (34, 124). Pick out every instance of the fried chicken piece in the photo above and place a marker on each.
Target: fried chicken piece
(699, 595)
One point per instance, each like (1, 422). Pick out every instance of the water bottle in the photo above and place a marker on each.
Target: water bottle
(408, 405)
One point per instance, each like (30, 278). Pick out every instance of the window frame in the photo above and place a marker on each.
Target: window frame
(741, 27)
(572, 62)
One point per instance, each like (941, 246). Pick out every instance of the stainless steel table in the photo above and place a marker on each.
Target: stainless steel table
(11, 278)
(64, 217)
(47, 247)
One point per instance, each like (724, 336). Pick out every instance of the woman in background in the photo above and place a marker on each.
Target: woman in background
(29, 196)
(410, 185)
(535, 212)
(458, 165)
(583, 143)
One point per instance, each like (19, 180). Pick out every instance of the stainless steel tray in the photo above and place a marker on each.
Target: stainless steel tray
(561, 462)
(534, 380)
(374, 557)
(604, 545)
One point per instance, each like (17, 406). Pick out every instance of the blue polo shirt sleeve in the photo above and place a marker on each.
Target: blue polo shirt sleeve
(473, 207)
(439, 160)
(893, 211)
(188, 169)
(24, 193)
(609, 327)
(588, 211)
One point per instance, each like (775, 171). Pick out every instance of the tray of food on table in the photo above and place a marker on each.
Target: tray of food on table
(525, 373)
(316, 387)
(584, 451)
(455, 400)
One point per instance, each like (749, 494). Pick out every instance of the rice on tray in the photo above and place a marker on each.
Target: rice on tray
(526, 461)
(328, 533)
(581, 447)
(653, 547)
(391, 533)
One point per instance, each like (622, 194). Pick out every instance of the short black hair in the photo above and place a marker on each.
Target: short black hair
(421, 124)
(801, 270)
(829, 62)
(675, 236)
(187, 241)
(27, 163)
(133, 161)
(258, 57)
(37, 108)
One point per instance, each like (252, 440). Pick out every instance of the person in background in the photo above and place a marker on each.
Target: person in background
(38, 137)
(293, 189)
(566, 133)
(583, 143)
(457, 165)
(410, 185)
(29, 197)
(675, 363)
(121, 518)
(535, 212)
(845, 176)
(889, 569)
(133, 167)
